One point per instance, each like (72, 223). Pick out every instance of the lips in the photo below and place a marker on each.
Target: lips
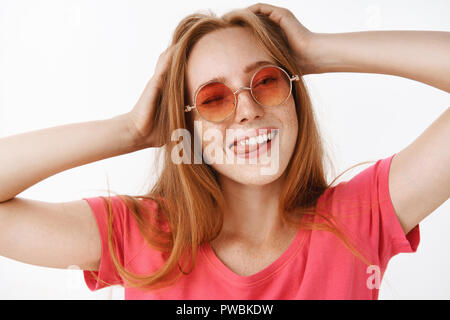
(251, 134)
(257, 142)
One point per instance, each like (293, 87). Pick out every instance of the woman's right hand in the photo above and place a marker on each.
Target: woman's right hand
(146, 133)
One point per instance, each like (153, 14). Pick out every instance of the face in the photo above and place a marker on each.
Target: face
(226, 54)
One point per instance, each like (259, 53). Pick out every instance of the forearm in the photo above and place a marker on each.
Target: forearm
(30, 157)
(417, 55)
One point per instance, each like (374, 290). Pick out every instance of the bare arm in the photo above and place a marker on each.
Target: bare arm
(54, 234)
(418, 55)
(419, 178)
(33, 156)
(59, 235)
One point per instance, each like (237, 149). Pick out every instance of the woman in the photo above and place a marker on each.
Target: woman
(212, 229)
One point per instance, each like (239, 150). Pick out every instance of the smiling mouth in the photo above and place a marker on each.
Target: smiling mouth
(259, 143)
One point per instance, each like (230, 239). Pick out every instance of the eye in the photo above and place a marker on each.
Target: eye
(266, 81)
(213, 99)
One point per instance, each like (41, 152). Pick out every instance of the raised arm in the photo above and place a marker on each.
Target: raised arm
(53, 234)
(30, 157)
(62, 234)
(419, 176)
(417, 55)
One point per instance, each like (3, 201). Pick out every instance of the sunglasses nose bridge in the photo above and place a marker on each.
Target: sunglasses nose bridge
(236, 93)
(240, 89)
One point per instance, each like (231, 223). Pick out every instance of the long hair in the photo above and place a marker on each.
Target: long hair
(189, 197)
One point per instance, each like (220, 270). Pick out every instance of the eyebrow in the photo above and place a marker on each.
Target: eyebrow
(251, 67)
(255, 65)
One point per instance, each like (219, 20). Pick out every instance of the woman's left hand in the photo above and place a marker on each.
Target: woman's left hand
(300, 38)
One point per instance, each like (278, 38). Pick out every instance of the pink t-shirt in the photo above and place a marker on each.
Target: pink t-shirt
(316, 265)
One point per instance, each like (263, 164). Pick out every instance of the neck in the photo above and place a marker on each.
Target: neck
(252, 210)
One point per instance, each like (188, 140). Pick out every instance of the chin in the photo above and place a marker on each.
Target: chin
(256, 175)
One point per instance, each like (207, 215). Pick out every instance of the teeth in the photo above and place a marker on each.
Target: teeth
(259, 139)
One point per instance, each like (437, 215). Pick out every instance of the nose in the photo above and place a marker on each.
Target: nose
(247, 108)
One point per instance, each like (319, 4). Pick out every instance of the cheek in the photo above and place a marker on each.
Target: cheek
(293, 117)
(287, 115)
(291, 110)
(289, 120)
(209, 133)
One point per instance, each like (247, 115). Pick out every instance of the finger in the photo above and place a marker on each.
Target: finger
(163, 60)
(276, 14)
(154, 84)
(262, 8)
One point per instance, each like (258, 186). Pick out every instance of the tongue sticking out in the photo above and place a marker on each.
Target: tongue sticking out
(245, 148)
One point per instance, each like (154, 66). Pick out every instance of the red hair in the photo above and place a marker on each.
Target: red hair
(188, 194)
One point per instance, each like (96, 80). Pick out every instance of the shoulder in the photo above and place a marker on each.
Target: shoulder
(370, 184)
(126, 210)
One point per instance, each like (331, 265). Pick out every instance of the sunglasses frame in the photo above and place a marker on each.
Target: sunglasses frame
(235, 93)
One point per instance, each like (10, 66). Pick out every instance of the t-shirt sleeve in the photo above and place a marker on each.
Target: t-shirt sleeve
(107, 274)
(363, 206)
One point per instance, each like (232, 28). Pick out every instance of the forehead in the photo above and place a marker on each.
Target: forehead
(224, 54)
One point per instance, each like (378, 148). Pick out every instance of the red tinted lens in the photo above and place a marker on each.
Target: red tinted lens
(215, 101)
(271, 86)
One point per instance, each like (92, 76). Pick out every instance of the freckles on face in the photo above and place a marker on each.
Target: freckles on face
(224, 54)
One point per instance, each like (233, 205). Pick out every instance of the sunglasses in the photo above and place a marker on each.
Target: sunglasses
(270, 86)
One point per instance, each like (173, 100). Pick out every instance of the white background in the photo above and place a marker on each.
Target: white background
(71, 61)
